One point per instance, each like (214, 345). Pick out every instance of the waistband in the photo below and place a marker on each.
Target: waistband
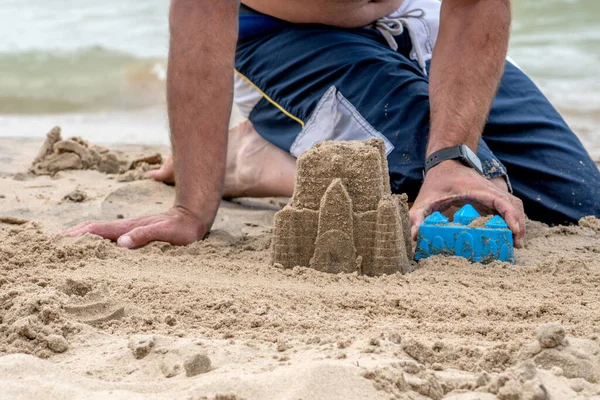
(253, 23)
(419, 18)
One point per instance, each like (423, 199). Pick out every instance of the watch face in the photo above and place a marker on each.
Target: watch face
(472, 158)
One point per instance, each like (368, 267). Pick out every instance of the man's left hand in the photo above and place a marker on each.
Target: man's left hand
(451, 183)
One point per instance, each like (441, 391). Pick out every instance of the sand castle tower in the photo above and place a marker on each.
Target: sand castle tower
(343, 216)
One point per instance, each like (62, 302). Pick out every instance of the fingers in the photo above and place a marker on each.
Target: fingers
(417, 214)
(176, 227)
(76, 228)
(138, 237)
(110, 230)
(510, 208)
(507, 210)
(424, 206)
(141, 236)
(135, 233)
(520, 236)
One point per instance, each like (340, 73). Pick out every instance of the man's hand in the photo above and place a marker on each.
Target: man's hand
(178, 226)
(451, 183)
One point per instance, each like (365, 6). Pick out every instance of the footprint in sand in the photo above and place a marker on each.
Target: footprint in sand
(96, 312)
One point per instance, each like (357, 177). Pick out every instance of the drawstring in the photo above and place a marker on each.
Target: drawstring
(394, 26)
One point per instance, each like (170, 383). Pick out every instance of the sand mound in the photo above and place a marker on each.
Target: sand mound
(33, 322)
(343, 217)
(35, 317)
(75, 153)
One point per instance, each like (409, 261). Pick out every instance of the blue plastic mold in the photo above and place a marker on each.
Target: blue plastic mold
(437, 235)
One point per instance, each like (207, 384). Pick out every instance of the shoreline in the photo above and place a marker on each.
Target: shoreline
(143, 127)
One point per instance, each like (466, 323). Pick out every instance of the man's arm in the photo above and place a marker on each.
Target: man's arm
(199, 96)
(466, 69)
(467, 65)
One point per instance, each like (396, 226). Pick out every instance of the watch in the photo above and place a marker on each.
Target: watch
(460, 153)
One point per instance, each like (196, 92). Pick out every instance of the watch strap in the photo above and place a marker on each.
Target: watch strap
(449, 153)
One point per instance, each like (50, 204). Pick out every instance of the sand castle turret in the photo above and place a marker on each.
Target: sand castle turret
(342, 216)
(334, 245)
(390, 247)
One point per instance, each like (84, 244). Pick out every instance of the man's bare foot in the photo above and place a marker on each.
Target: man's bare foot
(255, 167)
(166, 172)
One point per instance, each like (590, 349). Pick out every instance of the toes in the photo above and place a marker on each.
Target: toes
(166, 173)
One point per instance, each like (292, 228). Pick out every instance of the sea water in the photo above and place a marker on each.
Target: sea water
(89, 63)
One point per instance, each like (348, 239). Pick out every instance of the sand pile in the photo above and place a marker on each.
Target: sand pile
(217, 320)
(32, 321)
(75, 153)
(35, 316)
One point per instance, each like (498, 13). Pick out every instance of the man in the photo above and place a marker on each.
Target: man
(429, 79)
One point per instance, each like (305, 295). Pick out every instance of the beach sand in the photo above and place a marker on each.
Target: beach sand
(80, 317)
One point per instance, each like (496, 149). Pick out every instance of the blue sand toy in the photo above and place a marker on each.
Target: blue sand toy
(437, 235)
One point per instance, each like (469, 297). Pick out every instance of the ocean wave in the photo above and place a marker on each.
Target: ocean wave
(87, 80)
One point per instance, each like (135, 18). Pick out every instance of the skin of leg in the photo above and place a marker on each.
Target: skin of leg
(255, 167)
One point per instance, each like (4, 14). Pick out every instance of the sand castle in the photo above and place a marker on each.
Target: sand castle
(343, 216)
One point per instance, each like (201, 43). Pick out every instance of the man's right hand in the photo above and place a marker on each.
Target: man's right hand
(178, 226)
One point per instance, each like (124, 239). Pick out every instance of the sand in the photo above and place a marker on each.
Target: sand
(74, 153)
(80, 317)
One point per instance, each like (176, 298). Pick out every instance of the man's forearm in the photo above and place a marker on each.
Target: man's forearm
(199, 95)
(466, 69)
